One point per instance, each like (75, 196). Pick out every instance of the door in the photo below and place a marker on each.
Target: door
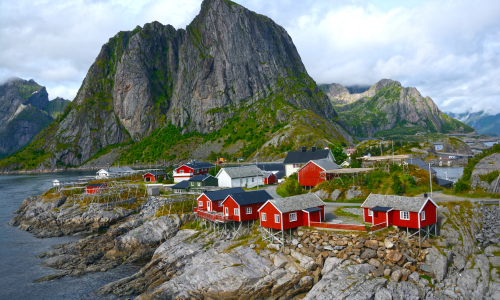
(209, 206)
(226, 211)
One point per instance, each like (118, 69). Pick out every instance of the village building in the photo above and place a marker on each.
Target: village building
(310, 174)
(96, 188)
(296, 159)
(391, 210)
(270, 177)
(417, 162)
(245, 206)
(346, 163)
(154, 176)
(246, 176)
(292, 212)
(181, 187)
(114, 172)
(201, 181)
(212, 201)
(447, 184)
(350, 151)
(191, 169)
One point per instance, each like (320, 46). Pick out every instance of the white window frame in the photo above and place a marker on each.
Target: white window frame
(181, 171)
(200, 203)
(264, 217)
(370, 213)
(249, 210)
(236, 211)
(276, 218)
(220, 203)
(404, 215)
(293, 217)
(422, 216)
(199, 183)
(226, 211)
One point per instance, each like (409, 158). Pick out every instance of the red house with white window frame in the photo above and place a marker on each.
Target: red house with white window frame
(292, 212)
(96, 188)
(212, 201)
(191, 169)
(310, 173)
(245, 206)
(410, 212)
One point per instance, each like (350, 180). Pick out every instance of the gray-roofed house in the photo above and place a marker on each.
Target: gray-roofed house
(310, 174)
(181, 187)
(292, 212)
(392, 210)
(296, 159)
(114, 172)
(247, 176)
(200, 181)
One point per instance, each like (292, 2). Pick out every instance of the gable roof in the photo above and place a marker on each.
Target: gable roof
(116, 170)
(299, 202)
(251, 197)
(222, 194)
(156, 173)
(280, 174)
(200, 177)
(197, 165)
(299, 157)
(181, 185)
(241, 172)
(443, 182)
(268, 173)
(324, 164)
(420, 164)
(413, 204)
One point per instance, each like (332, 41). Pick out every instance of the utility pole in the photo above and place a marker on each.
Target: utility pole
(430, 178)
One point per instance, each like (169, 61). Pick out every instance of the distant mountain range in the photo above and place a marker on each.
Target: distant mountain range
(387, 108)
(483, 122)
(25, 110)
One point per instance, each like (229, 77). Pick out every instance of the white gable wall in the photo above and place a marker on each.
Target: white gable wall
(224, 179)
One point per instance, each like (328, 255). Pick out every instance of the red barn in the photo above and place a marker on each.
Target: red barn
(212, 201)
(245, 206)
(270, 178)
(292, 212)
(96, 188)
(191, 169)
(154, 176)
(410, 212)
(309, 174)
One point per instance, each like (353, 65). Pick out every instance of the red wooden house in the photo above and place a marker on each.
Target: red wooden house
(270, 178)
(154, 176)
(245, 206)
(212, 201)
(96, 188)
(310, 173)
(410, 212)
(292, 212)
(191, 169)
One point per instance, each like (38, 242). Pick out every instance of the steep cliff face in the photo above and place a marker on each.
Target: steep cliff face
(56, 106)
(22, 114)
(226, 60)
(388, 108)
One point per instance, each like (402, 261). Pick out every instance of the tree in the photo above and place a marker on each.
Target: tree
(397, 185)
(338, 153)
(355, 161)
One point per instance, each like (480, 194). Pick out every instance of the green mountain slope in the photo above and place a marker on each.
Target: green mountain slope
(484, 123)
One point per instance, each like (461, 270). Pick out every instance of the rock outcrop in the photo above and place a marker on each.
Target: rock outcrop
(486, 174)
(389, 108)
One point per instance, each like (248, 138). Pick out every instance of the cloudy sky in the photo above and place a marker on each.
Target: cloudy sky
(449, 50)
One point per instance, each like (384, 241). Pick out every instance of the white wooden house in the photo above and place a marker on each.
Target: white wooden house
(247, 176)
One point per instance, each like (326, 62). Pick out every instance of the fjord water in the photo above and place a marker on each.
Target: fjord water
(19, 265)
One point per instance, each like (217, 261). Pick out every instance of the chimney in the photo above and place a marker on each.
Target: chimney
(313, 149)
(304, 149)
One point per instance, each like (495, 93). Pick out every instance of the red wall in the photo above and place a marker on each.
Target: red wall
(430, 214)
(150, 176)
(411, 223)
(315, 216)
(271, 179)
(270, 211)
(229, 203)
(96, 190)
(367, 218)
(309, 175)
(286, 220)
(185, 168)
(379, 217)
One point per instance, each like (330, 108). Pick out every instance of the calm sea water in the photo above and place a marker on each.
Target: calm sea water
(453, 173)
(19, 266)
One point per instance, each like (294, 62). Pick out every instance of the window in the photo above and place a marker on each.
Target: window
(226, 210)
(276, 218)
(192, 183)
(200, 203)
(220, 203)
(236, 211)
(195, 171)
(295, 166)
(181, 171)
(422, 216)
(249, 210)
(370, 213)
(293, 217)
(199, 183)
(253, 179)
(264, 217)
(404, 215)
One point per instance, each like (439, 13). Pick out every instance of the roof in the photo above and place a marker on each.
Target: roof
(96, 185)
(347, 171)
(324, 164)
(222, 194)
(200, 177)
(156, 173)
(241, 172)
(117, 170)
(299, 157)
(251, 197)
(381, 208)
(401, 203)
(181, 185)
(299, 202)
(443, 182)
(420, 164)
(267, 174)
(198, 165)
(312, 209)
(280, 175)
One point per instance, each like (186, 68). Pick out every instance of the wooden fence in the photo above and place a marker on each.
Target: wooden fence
(346, 226)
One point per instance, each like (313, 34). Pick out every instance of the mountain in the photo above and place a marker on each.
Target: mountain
(339, 94)
(483, 122)
(232, 79)
(22, 113)
(56, 106)
(388, 108)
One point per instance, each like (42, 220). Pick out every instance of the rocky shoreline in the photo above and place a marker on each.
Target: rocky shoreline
(188, 260)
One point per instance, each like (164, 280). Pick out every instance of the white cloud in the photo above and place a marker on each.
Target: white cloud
(449, 50)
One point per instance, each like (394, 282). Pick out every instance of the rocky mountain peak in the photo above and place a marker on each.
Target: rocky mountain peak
(385, 83)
